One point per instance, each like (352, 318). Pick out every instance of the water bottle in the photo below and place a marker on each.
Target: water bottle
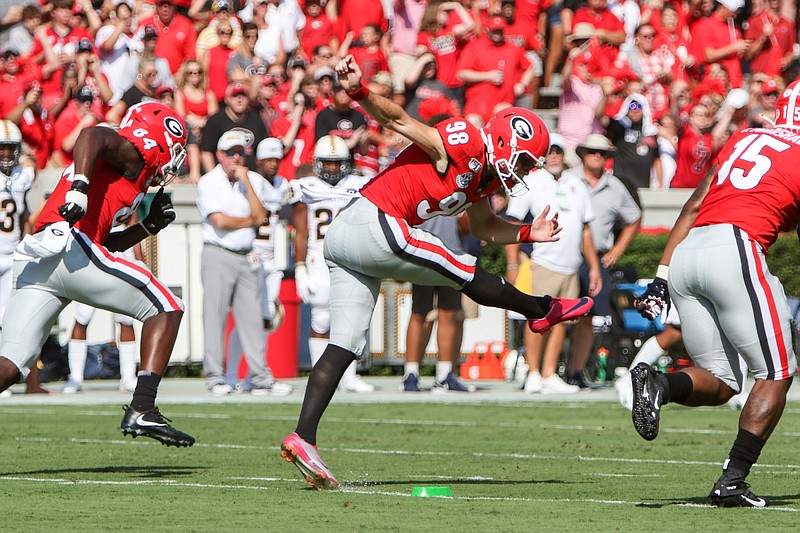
(602, 359)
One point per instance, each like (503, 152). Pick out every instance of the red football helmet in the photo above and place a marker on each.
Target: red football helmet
(787, 109)
(159, 133)
(516, 142)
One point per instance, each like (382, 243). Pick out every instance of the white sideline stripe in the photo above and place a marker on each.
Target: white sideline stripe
(347, 490)
(597, 474)
(150, 442)
(389, 421)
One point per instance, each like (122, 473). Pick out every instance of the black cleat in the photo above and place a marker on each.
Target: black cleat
(648, 397)
(154, 425)
(734, 493)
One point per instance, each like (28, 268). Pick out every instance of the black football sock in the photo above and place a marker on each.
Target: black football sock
(144, 397)
(744, 453)
(322, 383)
(490, 290)
(679, 386)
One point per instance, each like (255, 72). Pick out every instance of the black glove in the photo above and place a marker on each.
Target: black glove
(654, 300)
(161, 213)
(75, 200)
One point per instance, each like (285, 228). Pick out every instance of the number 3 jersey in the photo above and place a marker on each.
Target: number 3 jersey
(411, 188)
(324, 202)
(757, 184)
(12, 205)
(273, 195)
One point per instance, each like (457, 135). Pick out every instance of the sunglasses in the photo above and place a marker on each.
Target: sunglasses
(193, 72)
(772, 94)
(594, 151)
(635, 106)
(556, 150)
(233, 153)
(224, 33)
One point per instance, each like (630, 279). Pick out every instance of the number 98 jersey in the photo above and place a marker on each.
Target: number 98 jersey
(12, 204)
(757, 184)
(412, 189)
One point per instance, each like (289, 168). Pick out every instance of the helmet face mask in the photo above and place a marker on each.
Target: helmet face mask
(331, 159)
(10, 145)
(516, 143)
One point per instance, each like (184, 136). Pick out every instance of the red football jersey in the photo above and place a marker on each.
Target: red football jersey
(411, 188)
(113, 198)
(757, 185)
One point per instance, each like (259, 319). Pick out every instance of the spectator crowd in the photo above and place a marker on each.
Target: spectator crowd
(666, 81)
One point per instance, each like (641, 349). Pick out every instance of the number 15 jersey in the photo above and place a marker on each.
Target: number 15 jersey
(757, 185)
(413, 190)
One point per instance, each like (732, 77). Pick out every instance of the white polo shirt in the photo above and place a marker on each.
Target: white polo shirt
(567, 197)
(216, 194)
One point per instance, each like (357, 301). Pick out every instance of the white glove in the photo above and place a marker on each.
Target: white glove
(305, 287)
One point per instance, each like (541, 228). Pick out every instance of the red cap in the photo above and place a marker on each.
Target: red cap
(235, 89)
(496, 23)
(164, 89)
(770, 86)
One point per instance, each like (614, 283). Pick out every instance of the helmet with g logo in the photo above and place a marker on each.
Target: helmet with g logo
(516, 142)
(159, 134)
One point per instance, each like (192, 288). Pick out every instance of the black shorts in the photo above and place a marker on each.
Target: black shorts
(448, 299)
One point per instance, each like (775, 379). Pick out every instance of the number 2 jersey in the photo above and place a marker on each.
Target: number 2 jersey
(324, 202)
(112, 197)
(12, 206)
(757, 184)
(411, 188)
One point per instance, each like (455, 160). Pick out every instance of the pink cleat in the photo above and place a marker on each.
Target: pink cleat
(561, 309)
(306, 458)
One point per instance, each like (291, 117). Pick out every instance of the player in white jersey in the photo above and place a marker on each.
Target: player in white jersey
(316, 201)
(15, 181)
(274, 195)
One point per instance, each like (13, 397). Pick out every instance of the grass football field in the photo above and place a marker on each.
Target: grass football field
(521, 466)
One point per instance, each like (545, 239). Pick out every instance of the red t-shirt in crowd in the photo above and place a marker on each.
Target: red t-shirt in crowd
(38, 132)
(67, 44)
(370, 61)
(445, 46)
(218, 58)
(302, 150)
(715, 33)
(355, 14)
(12, 89)
(768, 60)
(605, 20)
(483, 56)
(694, 158)
(318, 31)
(65, 124)
(176, 41)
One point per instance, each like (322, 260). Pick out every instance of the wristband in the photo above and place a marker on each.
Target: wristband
(525, 234)
(663, 272)
(512, 266)
(80, 183)
(359, 94)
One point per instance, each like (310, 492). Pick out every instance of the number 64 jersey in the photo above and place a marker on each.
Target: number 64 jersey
(757, 184)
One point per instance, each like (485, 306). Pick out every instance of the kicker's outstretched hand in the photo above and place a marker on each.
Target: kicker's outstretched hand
(349, 73)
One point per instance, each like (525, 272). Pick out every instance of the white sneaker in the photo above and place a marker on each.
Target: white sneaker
(128, 384)
(6, 393)
(737, 402)
(533, 383)
(221, 389)
(356, 384)
(624, 387)
(72, 386)
(556, 385)
(276, 388)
